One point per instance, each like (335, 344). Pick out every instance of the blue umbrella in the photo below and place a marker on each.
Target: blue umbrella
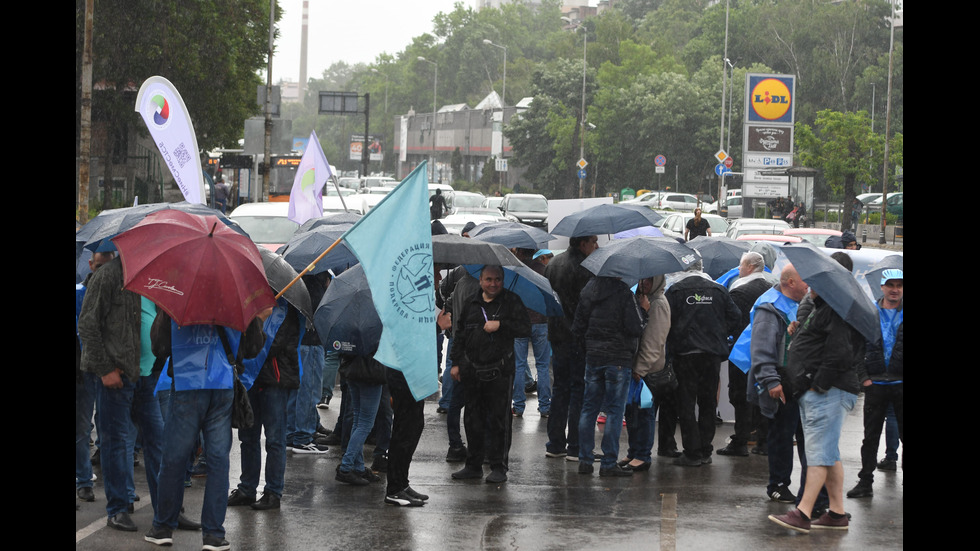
(512, 235)
(648, 231)
(606, 219)
(304, 248)
(346, 319)
(533, 288)
(837, 286)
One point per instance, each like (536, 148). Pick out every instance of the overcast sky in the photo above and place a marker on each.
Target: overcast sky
(353, 31)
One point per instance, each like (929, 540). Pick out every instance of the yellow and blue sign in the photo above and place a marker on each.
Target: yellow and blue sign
(770, 98)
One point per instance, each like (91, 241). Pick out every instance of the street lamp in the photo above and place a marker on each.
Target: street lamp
(503, 94)
(432, 131)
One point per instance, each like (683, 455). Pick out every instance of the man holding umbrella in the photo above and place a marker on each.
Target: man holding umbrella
(483, 360)
(567, 278)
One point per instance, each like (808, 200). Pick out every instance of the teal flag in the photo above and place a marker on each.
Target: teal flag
(394, 245)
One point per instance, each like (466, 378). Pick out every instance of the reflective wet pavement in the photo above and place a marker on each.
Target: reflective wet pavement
(545, 504)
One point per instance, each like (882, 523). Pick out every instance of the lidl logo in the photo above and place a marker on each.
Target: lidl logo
(771, 99)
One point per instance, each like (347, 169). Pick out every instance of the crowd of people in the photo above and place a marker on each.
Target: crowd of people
(795, 370)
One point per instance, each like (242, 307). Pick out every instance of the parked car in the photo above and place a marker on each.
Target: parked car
(763, 225)
(678, 201)
(367, 198)
(896, 204)
(266, 223)
(732, 207)
(492, 202)
(769, 238)
(463, 200)
(649, 199)
(528, 208)
(673, 225)
(378, 181)
(816, 236)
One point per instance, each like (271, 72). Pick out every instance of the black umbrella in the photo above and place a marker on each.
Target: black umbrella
(606, 219)
(112, 222)
(303, 248)
(456, 249)
(329, 220)
(512, 235)
(636, 258)
(836, 285)
(719, 254)
(346, 319)
(533, 288)
(874, 274)
(279, 273)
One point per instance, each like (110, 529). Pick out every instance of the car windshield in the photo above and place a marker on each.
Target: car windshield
(528, 204)
(467, 201)
(718, 225)
(267, 229)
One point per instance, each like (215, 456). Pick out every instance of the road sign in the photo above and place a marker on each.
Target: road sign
(582, 163)
(721, 169)
(729, 162)
(500, 165)
(581, 174)
(721, 155)
(659, 169)
(660, 160)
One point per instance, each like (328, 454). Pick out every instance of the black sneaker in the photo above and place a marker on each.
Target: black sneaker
(350, 477)
(380, 464)
(320, 429)
(214, 543)
(309, 449)
(585, 468)
(497, 476)
(863, 489)
(456, 455)
(323, 404)
(468, 472)
(160, 536)
(239, 499)
(781, 494)
(269, 501)
(403, 499)
(887, 465)
(415, 494)
(368, 474)
(734, 449)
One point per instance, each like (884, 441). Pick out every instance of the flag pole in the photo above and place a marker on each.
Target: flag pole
(308, 268)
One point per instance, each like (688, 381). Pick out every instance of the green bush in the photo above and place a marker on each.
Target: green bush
(822, 216)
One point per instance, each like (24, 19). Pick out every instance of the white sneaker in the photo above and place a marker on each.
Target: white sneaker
(310, 448)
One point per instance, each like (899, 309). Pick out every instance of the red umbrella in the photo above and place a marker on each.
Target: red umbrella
(198, 270)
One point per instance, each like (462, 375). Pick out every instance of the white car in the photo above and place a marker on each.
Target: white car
(367, 198)
(266, 223)
(757, 225)
(674, 224)
(463, 200)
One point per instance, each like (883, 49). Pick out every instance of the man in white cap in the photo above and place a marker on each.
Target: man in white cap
(883, 361)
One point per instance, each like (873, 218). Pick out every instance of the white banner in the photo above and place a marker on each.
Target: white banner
(169, 123)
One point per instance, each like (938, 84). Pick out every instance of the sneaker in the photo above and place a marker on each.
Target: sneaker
(516, 413)
(887, 465)
(456, 455)
(827, 522)
(310, 448)
(200, 470)
(554, 455)
(761, 448)
(269, 501)
(403, 499)
(214, 543)
(668, 453)
(497, 476)
(601, 419)
(380, 464)
(686, 461)
(415, 494)
(320, 429)
(350, 477)
(531, 387)
(793, 520)
(323, 404)
(572, 457)
(468, 472)
(863, 489)
(734, 449)
(586, 468)
(239, 499)
(368, 474)
(615, 471)
(160, 536)
(781, 494)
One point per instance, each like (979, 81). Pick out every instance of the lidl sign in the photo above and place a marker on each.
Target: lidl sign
(770, 98)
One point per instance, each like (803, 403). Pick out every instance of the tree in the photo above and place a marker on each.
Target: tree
(845, 149)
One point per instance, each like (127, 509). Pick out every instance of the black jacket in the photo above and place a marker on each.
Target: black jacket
(281, 367)
(826, 352)
(567, 278)
(472, 344)
(702, 317)
(609, 321)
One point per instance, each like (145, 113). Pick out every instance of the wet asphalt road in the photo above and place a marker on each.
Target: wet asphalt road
(544, 505)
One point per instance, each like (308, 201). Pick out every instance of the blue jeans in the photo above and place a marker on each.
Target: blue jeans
(566, 400)
(891, 434)
(382, 423)
(269, 407)
(640, 429)
(364, 404)
(118, 409)
(605, 390)
(85, 392)
(330, 366)
(301, 413)
(542, 363)
(192, 411)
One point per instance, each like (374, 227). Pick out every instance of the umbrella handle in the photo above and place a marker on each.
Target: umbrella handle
(308, 268)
